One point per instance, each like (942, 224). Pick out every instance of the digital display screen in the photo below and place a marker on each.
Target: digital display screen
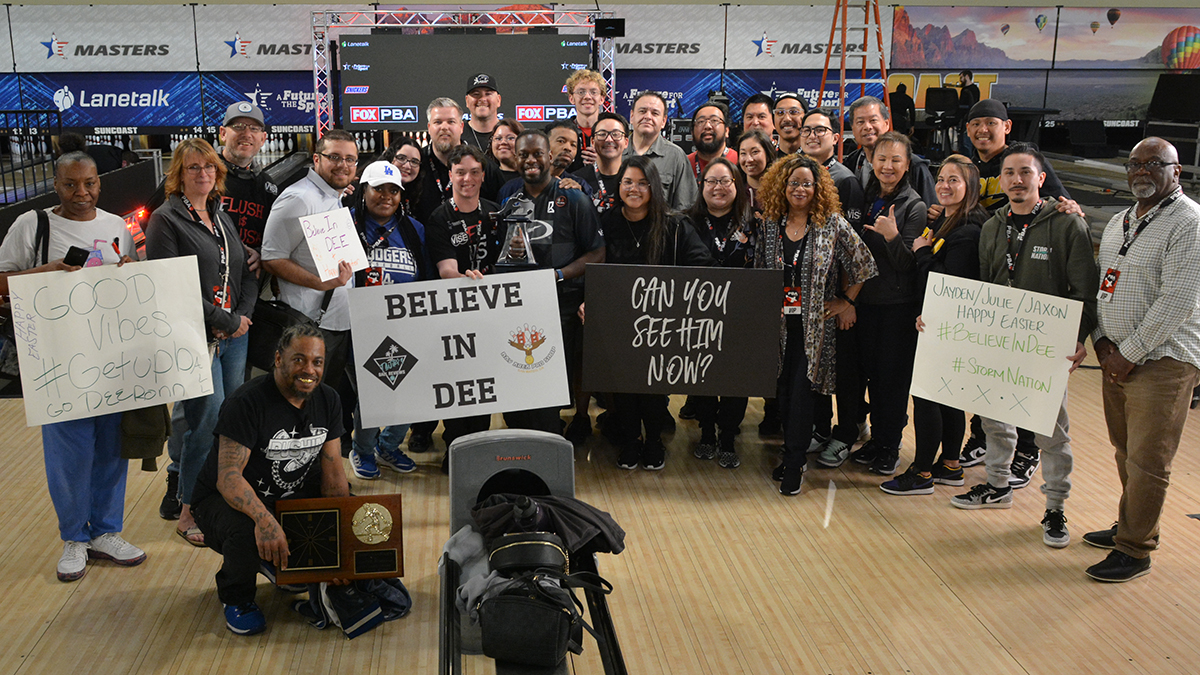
(388, 80)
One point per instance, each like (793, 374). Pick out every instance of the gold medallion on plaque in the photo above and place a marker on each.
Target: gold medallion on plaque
(372, 523)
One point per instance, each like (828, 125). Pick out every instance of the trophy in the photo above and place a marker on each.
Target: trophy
(517, 213)
(341, 538)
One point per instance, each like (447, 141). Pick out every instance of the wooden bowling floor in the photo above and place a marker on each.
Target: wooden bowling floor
(721, 575)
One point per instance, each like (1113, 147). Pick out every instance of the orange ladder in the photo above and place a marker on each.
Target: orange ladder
(870, 21)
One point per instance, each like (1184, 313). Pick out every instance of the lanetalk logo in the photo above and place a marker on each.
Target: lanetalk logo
(64, 99)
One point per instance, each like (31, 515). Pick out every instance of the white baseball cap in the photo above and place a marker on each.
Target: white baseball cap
(381, 173)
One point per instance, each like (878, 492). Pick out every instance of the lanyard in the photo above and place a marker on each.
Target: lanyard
(443, 190)
(795, 263)
(382, 237)
(218, 234)
(1128, 240)
(1008, 256)
(876, 212)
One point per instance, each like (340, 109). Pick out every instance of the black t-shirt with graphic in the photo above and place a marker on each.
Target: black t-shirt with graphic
(285, 441)
(473, 239)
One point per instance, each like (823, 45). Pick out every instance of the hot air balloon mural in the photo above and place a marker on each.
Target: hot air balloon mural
(1004, 29)
(1181, 48)
(1040, 22)
(1114, 15)
(1095, 27)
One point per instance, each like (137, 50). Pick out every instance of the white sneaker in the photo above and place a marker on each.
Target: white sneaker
(864, 431)
(73, 563)
(112, 547)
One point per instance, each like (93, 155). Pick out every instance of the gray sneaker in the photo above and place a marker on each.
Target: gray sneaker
(834, 454)
(1054, 526)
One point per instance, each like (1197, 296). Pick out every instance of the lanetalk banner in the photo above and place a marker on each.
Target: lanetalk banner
(455, 348)
(995, 351)
(108, 339)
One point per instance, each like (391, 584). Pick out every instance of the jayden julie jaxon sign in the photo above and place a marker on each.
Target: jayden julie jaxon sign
(681, 330)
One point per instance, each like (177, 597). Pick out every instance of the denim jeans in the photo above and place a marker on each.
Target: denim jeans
(86, 475)
(228, 372)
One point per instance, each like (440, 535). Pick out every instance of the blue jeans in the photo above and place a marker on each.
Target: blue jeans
(228, 372)
(389, 438)
(86, 475)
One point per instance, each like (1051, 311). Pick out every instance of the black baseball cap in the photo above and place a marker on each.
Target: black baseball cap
(482, 80)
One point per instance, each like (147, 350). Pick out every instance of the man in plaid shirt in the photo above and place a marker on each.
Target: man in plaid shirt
(1148, 343)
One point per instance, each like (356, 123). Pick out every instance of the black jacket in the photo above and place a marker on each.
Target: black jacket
(897, 280)
(172, 233)
(683, 248)
(958, 256)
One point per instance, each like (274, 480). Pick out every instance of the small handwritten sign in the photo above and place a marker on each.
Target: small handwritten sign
(108, 339)
(332, 238)
(682, 330)
(996, 351)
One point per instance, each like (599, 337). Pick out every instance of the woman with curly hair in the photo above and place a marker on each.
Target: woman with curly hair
(805, 235)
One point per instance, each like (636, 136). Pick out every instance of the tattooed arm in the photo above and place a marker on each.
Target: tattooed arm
(333, 474)
(268, 535)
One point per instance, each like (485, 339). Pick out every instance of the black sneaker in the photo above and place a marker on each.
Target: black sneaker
(728, 459)
(1102, 538)
(867, 453)
(654, 456)
(791, 481)
(579, 430)
(973, 452)
(984, 496)
(707, 448)
(631, 455)
(944, 475)
(1054, 528)
(886, 462)
(911, 482)
(419, 441)
(171, 507)
(1023, 468)
(1119, 567)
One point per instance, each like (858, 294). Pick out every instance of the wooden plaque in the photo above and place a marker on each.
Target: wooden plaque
(341, 538)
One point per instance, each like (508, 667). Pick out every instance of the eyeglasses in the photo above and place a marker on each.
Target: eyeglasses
(815, 131)
(594, 93)
(1152, 165)
(724, 181)
(713, 120)
(338, 159)
(240, 127)
(793, 112)
(616, 135)
(639, 185)
(398, 160)
(505, 139)
(793, 184)
(197, 169)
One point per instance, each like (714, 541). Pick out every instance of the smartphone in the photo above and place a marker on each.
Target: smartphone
(76, 256)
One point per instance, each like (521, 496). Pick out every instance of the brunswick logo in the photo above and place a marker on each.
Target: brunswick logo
(764, 45)
(55, 47)
(528, 339)
(238, 46)
(391, 363)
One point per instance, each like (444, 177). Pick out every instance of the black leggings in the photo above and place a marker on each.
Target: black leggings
(886, 348)
(726, 412)
(937, 425)
(796, 401)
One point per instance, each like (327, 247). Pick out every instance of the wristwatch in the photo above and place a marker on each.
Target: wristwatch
(558, 274)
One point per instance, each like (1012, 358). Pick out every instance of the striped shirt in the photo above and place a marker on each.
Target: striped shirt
(1155, 308)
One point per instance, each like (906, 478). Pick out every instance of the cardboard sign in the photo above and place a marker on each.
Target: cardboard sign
(682, 330)
(458, 347)
(332, 238)
(996, 351)
(107, 339)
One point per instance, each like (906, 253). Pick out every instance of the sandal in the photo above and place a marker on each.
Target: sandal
(193, 536)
